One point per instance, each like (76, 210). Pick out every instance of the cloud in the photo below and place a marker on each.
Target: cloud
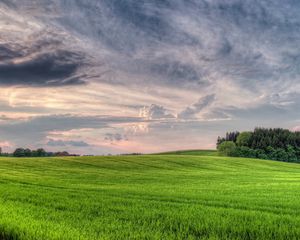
(34, 53)
(216, 115)
(5, 144)
(48, 69)
(174, 43)
(115, 137)
(112, 57)
(192, 111)
(62, 143)
(5, 118)
(296, 129)
(266, 113)
(35, 129)
(155, 112)
(176, 72)
(7, 53)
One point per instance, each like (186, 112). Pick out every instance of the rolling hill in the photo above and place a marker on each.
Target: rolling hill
(192, 152)
(149, 197)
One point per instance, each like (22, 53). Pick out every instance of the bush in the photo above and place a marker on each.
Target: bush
(261, 154)
(281, 155)
(227, 148)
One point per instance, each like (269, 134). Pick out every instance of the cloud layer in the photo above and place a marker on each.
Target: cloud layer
(133, 73)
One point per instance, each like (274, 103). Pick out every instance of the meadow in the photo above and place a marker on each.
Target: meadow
(192, 152)
(149, 197)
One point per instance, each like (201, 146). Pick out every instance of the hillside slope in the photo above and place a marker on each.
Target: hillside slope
(192, 152)
(149, 197)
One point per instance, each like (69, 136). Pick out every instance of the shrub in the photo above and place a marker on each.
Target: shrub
(261, 154)
(281, 155)
(227, 148)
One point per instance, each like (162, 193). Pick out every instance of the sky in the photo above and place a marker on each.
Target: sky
(121, 76)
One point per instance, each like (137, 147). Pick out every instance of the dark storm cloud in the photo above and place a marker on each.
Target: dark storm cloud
(7, 54)
(47, 69)
(35, 52)
(179, 43)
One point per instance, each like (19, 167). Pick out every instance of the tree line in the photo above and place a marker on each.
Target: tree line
(265, 143)
(26, 152)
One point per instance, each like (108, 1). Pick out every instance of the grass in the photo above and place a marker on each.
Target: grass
(192, 152)
(149, 197)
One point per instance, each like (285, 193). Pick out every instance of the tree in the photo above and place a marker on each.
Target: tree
(260, 153)
(34, 153)
(62, 154)
(271, 153)
(27, 152)
(220, 140)
(273, 143)
(292, 154)
(227, 148)
(41, 152)
(243, 139)
(281, 155)
(232, 136)
(19, 152)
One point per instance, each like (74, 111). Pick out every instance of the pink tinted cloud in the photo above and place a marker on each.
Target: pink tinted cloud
(296, 129)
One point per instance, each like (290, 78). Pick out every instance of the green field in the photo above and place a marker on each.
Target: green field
(149, 197)
(192, 152)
